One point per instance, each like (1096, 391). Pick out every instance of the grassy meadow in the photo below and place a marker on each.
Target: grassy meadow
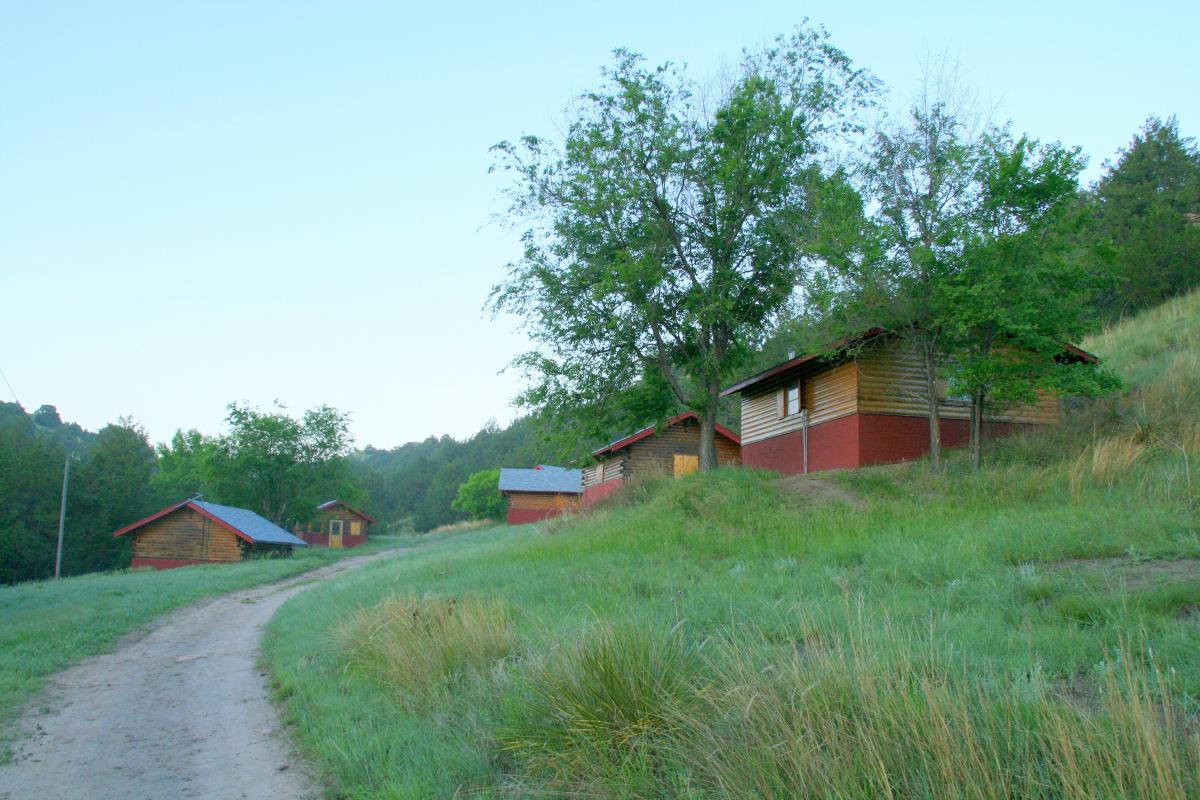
(1028, 631)
(48, 625)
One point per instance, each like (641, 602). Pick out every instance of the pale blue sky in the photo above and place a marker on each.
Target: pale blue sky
(208, 202)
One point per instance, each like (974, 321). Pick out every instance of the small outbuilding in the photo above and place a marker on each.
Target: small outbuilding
(540, 493)
(336, 524)
(196, 532)
(672, 449)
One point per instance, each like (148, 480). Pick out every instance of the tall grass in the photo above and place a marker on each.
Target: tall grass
(857, 715)
(418, 646)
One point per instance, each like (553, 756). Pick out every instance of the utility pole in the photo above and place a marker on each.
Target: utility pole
(62, 515)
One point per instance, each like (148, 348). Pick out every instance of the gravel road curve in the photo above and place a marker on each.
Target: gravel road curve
(181, 710)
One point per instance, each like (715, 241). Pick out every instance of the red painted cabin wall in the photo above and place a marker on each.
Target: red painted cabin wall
(860, 440)
(597, 492)
(523, 516)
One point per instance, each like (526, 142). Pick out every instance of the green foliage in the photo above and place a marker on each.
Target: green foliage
(1019, 295)
(479, 496)
(270, 462)
(280, 466)
(110, 486)
(669, 228)
(1148, 206)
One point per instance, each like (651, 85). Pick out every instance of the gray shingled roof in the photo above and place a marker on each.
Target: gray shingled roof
(261, 531)
(545, 479)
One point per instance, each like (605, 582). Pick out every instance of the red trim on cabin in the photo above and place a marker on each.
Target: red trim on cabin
(331, 503)
(1081, 354)
(523, 516)
(170, 563)
(860, 440)
(193, 507)
(597, 492)
(621, 444)
(151, 518)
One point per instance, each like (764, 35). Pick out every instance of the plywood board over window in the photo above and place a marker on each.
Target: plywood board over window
(686, 464)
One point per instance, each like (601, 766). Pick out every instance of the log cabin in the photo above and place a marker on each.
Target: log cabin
(540, 493)
(196, 532)
(861, 401)
(673, 449)
(336, 524)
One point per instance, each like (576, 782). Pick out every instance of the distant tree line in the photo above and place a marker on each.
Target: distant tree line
(418, 481)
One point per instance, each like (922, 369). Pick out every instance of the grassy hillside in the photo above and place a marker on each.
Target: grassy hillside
(48, 625)
(1029, 631)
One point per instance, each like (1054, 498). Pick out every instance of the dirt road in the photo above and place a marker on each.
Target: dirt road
(180, 711)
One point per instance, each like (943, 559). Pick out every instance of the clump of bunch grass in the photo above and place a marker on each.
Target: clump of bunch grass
(597, 713)
(418, 646)
(853, 714)
(1106, 461)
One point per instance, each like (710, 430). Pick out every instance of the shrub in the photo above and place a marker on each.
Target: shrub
(479, 496)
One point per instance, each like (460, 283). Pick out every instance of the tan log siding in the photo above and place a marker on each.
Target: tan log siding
(185, 534)
(613, 468)
(655, 455)
(542, 500)
(320, 521)
(891, 380)
(829, 393)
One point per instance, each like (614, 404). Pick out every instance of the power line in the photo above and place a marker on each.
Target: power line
(9, 385)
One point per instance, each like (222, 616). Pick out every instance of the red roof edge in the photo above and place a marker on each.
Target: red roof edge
(840, 344)
(176, 507)
(151, 518)
(349, 508)
(1081, 354)
(621, 444)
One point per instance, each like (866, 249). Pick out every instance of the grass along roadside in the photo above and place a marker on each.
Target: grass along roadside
(46, 626)
(1029, 631)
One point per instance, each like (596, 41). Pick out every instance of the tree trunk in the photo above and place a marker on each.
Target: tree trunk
(935, 423)
(708, 433)
(976, 428)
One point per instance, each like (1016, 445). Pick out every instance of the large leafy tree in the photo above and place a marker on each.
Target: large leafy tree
(479, 496)
(669, 228)
(1022, 291)
(278, 465)
(1148, 206)
(920, 177)
(113, 489)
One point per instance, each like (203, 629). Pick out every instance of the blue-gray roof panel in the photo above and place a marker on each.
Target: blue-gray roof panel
(261, 530)
(546, 479)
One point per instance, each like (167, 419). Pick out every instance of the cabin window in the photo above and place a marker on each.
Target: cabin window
(600, 472)
(793, 399)
(335, 527)
(948, 399)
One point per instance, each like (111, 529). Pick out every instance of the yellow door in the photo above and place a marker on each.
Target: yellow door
(335, 533)
(686, 465)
